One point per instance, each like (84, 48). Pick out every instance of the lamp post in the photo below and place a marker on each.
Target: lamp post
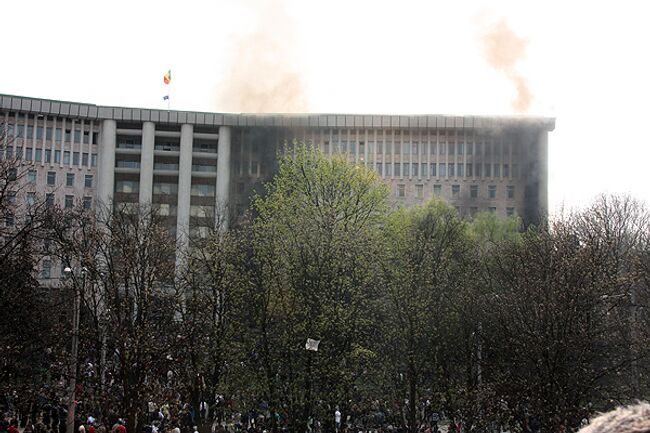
(76, 312)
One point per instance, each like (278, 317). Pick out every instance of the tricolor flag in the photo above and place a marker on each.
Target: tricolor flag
(165, 98)
(168, 77)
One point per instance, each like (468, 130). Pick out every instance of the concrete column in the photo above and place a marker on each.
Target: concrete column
(53, 144)
(72, 143)
(542, 173)
(106, 170)
(184, 188)
(223, 178)
(90, 144)
(44, 141)
(146, 163)
(34, 143)
(62, 144)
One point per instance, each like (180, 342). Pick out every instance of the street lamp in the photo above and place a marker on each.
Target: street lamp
(75, 346)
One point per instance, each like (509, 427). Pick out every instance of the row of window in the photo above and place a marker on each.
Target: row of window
(68, 203)
(47, 156)
(165, 188)
(52, 134)
(46, 269)
(456, 191)
(424, 148)
(204, 168)
(69, 178)
(166, 144)
(447, 169)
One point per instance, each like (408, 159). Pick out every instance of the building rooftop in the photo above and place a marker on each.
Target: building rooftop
(306, 120)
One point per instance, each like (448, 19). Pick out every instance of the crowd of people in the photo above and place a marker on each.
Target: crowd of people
(41, 415)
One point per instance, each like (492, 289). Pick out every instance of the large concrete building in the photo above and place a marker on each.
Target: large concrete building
(197, 166)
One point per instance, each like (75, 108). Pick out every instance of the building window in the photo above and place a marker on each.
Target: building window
(437, 190)
(84, 159)
(88, 181)
(46, 270)
(57, 156)
(69, 179)
(28, 153)
(451, 148)
(389, 169)
(511, 191)
(406, 169)
(414, 169)
(488, 170)
(48, 155)
(451, 169)
(9, 219)
(49, 199)
(468, 170)
(93, 160)
(510, 211)
(38, 155)
(497, 170)
(477, 171)
(473, 191)
(419, 191)
(164, 209)
(461, 170)
(423, 169)
(379, 168)
(455, 191)
(51, 178)
(203, 190)
(401, 188)
(396, 168)
(460, 147)
(75, 158)
(492, 209)
(470, 148)
(254, 168)
(31, 198)
(31, 176)
(492, 191)
(433, 148)
(69, 201)
(432, 169)
(506, 170)
(128, 186)
(442, 169)
(473, 211)
(515, 170)
(66, 157)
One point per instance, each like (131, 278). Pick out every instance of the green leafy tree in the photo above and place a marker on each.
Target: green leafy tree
(427, 248)
(315, 246)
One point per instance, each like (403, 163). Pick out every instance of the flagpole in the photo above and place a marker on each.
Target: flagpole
(168, 82)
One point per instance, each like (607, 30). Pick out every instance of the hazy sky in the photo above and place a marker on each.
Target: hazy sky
(587, 63)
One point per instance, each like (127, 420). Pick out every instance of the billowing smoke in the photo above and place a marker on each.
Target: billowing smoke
(503, 49)
(260, 76)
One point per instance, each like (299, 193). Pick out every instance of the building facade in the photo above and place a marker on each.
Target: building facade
(196, 167)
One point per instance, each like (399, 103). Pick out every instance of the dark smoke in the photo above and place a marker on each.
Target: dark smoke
(503, 49)
(260, 76)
